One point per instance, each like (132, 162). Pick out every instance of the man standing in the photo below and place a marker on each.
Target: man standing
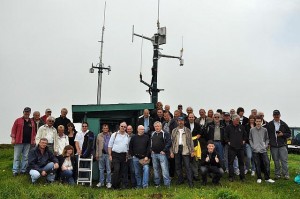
(84, 141)
(160, 116)
(47, 131)
(131, 171)
(47, 114)
(211, 164)
(118, 154)
(61, 141)
(235, 136)
(42, 162)
(103, 157)
(139, 149)
(182, 150)
(202, 119)
(146, 121)
(259, 141)
(38, 122)
(22, 136)
(278, 132)
(62, 120)
(196, 134)
(160, 147)
(167, 109)
(226, 122)
(180, 109)
(243, 120)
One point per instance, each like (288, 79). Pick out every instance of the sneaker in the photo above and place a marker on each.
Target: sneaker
(237, 172)
(258, 181)
(270, 181)
(253, 173)
(226, 171)
(99, 184)
(108, 185)
(157, 186)
(277, 177)
(246, 171)
(287, 177)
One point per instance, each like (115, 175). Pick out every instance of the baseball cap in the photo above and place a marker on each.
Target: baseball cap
(180, 118)
(48, 110)
(226, 114)
(276, 112)
(27, 109)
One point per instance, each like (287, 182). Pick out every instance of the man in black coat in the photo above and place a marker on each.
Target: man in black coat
(147, 122)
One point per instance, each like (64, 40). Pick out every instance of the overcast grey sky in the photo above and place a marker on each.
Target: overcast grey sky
(237, 53)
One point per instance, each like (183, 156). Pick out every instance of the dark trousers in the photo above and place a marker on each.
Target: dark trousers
(232, 152)
(215, 171)
(120, 167)
(261, 160)
(183, 159)
(171, 166)
(131, 173)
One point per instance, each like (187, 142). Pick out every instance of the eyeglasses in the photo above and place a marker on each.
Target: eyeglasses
(50, 121)
(124, 126)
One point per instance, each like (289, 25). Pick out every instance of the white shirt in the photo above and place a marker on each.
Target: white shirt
(181, 131)
(80, 138)
(119, 143)
(192, 126)
(60, 144)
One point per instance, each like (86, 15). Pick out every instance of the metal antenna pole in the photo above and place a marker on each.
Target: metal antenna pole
(100, 71)
(100, 65)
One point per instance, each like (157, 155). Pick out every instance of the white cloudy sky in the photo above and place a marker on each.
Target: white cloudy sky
(237, 53)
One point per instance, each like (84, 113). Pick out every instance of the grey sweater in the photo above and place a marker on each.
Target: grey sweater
(259, 139)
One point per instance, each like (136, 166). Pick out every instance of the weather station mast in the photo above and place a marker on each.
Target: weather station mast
(100, 65)
(157, 40)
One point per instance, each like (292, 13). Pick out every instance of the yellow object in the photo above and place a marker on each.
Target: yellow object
(197, 149)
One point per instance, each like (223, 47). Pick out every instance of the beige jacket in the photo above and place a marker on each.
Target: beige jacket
(100, 144)
(187, 141)
(46, 132)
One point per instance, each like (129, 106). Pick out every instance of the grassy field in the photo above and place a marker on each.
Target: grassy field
(20, 186)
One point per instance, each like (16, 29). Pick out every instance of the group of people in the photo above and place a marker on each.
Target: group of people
(182, 144)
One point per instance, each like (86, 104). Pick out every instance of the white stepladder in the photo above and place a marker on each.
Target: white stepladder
(85, 170)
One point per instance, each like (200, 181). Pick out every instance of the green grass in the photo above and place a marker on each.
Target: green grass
(20, 186)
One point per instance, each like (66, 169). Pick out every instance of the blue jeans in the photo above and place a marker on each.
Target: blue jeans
(141, 181)
(67, 176)
(104, 163)
(36, 174)
(18, 150)
(220, 151)
(160, 161)
(248, 152)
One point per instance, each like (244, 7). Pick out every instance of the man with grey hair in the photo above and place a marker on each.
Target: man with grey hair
(146, 121)
(49, 132)
(160, 147)
(264, 122)
(235, 136)
(254, 112)
(38, 122)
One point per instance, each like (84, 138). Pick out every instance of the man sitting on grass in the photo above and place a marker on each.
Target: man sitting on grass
(210, 163)
(42, 162)
(259, 140)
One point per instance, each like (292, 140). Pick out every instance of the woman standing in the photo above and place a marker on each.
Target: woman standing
(71, 135)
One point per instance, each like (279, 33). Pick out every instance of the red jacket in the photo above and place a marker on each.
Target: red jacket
(17, 131)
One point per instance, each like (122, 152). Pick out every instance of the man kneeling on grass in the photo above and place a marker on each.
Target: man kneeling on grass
(259, 140)
(42, 162)
(210, 163)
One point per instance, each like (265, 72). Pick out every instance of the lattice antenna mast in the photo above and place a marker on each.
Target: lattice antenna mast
(100, 65)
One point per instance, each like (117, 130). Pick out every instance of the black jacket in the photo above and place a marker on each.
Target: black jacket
(280, 141)
(212, 161)
(141, 122)
(247, 129)
(61, 160)
(210, 129)
(166, 142)
(37, 160)
(196, 131)
(245, 121)
(62, 121)
(88, 144)
(235, 135)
